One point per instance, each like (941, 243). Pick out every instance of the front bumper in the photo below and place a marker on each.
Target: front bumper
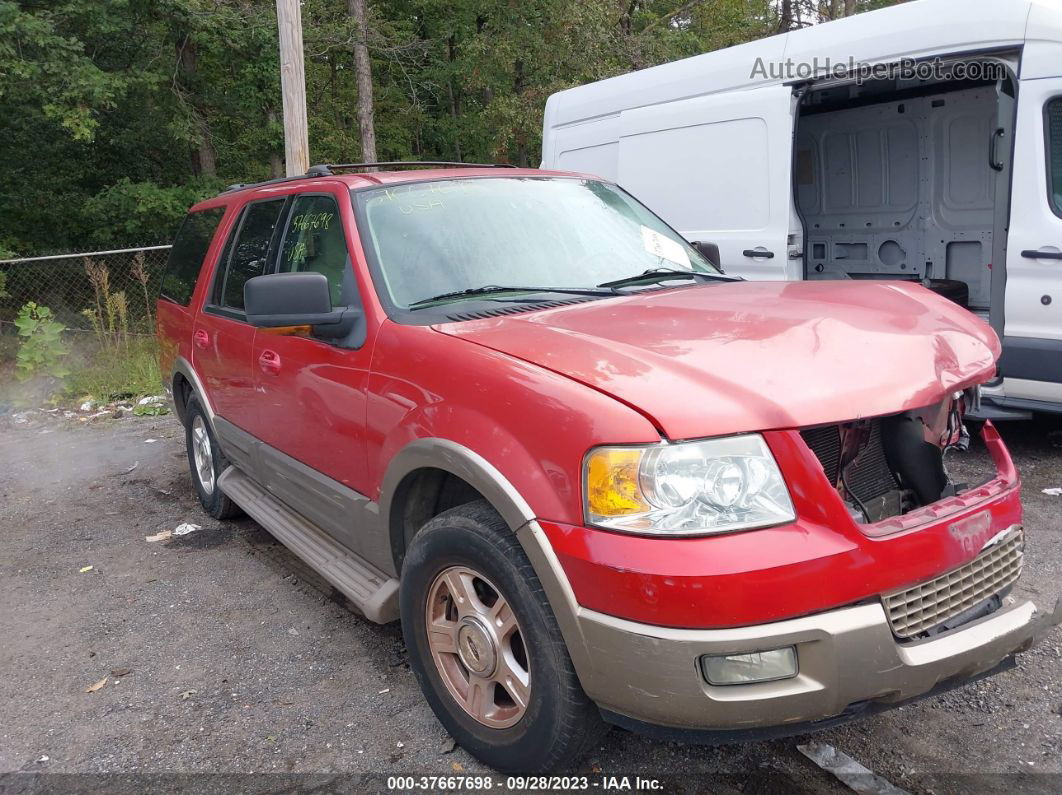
(846, 657)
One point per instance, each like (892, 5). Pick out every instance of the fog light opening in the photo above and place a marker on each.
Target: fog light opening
(750, 668)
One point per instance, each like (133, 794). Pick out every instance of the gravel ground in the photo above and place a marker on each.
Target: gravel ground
(221, 653)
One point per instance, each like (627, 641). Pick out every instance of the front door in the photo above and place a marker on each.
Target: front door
(311, 392)
(1032, 355)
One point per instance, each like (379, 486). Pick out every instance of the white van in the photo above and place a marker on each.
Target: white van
(920, 142)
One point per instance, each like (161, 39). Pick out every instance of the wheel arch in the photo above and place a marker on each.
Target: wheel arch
(185, 383)
(419, 475)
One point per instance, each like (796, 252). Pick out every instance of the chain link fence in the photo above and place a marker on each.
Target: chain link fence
(89, 291)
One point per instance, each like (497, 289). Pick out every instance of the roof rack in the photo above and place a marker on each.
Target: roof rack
(327, 169)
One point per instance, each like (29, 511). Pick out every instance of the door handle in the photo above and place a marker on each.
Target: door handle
(751, 252)
(1031, 254)
(269, 361)
(993, 150)
(201, 339)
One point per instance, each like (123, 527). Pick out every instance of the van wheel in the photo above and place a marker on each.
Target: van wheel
(486, 648)
(206, 462)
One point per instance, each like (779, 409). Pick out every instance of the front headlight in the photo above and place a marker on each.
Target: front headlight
(690, 488)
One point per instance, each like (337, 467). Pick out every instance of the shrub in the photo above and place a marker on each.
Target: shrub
(41, 351)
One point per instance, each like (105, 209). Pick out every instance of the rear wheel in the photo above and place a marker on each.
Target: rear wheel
(206, 462)
(486, 648)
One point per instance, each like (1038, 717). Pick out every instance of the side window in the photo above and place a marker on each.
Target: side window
(314, 241)
(187, 254)
(249, 251)
(1054, 153)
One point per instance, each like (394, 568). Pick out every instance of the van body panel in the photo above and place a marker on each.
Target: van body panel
(728, 157)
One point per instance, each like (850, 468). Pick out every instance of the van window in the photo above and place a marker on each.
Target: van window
(1054, 153)
(250, 250)
(314, 241)
(187, 253)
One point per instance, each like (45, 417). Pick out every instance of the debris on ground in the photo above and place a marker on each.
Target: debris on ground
(187, 694)
(127, 471)
(150, 441)
(848, 771)
(120, 672)
(182, 529)
(83, 569)
(1053, 492)
(42, 759)
(97, 686)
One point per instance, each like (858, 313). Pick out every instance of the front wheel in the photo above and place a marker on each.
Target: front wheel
(486, 648)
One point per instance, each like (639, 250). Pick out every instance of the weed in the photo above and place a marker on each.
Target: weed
(106, 374)
(41, 352)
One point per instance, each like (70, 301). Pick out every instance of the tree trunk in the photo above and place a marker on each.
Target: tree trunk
(204, 160)
(849, 7)
(455, 97)
(276, 159)
(363, 70)
(785, 16)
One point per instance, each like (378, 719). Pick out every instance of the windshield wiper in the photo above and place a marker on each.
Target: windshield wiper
(654, 275)
(491, 289)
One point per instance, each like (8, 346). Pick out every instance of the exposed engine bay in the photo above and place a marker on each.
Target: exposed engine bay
(887, 466)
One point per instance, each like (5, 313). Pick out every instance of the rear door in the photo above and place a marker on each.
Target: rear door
(719, 169)
(222, 341)
(1032, 356)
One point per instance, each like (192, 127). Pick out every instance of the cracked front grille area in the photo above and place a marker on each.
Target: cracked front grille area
(930, 604)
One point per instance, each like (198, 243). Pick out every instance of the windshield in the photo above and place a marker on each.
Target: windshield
(433, 238)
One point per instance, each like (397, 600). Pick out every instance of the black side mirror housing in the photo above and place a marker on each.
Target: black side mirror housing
(710, 251)
(297, 299)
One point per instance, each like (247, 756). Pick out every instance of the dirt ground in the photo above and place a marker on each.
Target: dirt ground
(220, 653)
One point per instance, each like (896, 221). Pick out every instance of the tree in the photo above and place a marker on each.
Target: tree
(363, 69)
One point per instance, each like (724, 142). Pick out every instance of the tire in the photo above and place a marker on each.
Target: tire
(952, 289)
(471, 549)
(199, 442)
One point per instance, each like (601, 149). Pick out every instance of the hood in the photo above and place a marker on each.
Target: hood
(746, 356)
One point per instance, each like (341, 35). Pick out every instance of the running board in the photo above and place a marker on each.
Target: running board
(372, 591)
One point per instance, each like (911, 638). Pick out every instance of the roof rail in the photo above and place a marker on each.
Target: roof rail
(327, 169)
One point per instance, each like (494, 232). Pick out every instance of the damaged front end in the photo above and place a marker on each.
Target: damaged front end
(890, 466)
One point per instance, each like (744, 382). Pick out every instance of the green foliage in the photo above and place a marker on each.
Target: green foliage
(41, 351)
(3, 285)
(119, 115)
(105, 375)
(143, 211)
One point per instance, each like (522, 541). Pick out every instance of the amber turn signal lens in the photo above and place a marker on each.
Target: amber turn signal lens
(612, 483)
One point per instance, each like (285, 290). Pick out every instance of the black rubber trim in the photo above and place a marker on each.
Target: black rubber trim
(860, 709)
(1031, 358)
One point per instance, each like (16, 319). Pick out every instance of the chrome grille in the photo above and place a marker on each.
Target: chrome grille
(923, 607)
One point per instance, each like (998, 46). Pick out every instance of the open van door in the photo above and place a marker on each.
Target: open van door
(1032, 348)
(718, 168)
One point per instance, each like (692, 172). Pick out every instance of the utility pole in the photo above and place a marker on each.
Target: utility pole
(293, 88)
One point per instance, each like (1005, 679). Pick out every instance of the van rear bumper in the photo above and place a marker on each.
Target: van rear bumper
(848, 662)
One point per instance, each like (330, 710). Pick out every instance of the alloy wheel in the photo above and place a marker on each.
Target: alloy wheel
(477, 647)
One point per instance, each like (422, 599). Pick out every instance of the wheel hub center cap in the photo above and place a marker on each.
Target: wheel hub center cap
(476, 649)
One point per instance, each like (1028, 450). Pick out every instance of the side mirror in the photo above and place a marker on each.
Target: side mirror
(296, 299)
(710, 251)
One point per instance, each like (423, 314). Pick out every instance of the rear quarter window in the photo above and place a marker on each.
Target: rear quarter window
(187, 254)
(1054, 153)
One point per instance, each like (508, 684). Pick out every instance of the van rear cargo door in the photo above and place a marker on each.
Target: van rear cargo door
(718, 168)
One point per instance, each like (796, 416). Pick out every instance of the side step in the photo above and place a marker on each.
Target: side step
(372, 591)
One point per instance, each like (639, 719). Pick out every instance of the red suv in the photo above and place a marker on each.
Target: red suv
(598, 480)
